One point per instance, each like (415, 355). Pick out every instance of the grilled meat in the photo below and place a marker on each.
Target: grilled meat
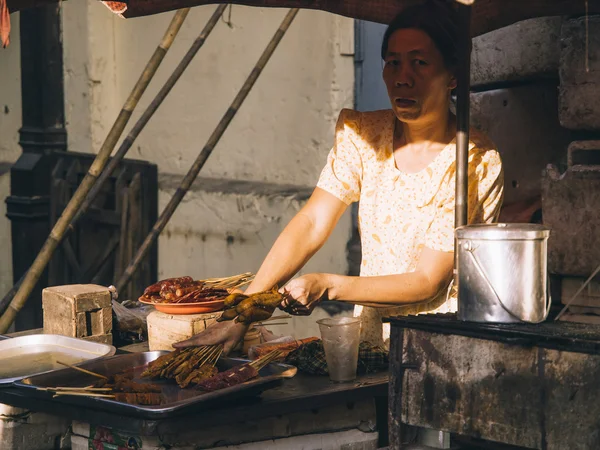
(148, 399)
(229, 378)
(202, 373)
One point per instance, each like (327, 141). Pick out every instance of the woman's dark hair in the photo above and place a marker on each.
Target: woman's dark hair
(438, 19)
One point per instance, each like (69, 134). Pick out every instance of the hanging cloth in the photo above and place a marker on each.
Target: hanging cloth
(4, 24)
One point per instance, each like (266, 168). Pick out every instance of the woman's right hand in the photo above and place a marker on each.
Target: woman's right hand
(229, 334)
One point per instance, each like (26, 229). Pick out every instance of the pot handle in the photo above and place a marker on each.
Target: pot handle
(471, 251)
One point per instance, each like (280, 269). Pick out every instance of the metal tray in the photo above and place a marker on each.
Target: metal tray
(176, 400)
(35, 354)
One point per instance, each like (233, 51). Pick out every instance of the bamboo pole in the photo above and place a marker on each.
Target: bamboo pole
(147, 115)
(461, 213)
(213, 140)
(132, 136)
(461, 207)
(59, 229)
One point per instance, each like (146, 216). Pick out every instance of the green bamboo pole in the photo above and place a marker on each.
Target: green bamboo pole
(59, 229)
(213, 140)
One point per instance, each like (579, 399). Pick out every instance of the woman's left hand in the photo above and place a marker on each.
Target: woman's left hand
(302, 294)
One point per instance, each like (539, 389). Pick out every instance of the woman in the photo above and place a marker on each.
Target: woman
(400, 165)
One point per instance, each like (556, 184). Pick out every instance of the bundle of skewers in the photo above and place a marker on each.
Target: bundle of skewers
(238, 374)
(187, 366)
(187, 290)
(191, 366)
(196, 366)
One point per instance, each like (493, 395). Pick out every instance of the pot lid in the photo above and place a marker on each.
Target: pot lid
(503, 231)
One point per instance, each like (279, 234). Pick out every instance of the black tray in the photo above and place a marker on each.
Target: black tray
(176, 400)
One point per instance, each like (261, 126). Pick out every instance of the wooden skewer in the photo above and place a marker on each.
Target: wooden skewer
(204, 351)
(276, 318)
(79, 389)
(241, 275)
(267, 359)
(215, 350)
(215, 356)
(86, 394)
(229, 282)
(243, 283)
(83, 370)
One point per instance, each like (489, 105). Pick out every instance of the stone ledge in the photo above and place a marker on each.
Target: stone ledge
(168, 182)
(500, 56)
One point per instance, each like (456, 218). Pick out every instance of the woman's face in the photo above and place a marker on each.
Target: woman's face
(417, 80)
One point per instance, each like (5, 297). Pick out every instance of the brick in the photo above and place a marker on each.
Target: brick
(73, 310)
(59, 315)
(83, 297)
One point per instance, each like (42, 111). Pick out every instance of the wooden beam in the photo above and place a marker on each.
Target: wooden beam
(487, 15)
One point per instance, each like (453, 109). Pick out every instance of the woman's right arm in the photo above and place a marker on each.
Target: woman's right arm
(300, 240)
(302, 237)
(306, 233)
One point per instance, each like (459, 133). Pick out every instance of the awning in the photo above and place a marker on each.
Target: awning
(487, 15)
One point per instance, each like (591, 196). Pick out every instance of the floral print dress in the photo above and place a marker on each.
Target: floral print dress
(400, 212)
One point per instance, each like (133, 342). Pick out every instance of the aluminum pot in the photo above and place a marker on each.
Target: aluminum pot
(502, 273)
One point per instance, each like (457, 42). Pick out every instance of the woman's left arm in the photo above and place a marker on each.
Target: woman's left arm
(432, 274)
(434, 269)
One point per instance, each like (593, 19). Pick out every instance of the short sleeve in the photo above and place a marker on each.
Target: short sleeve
(486, 190)
(342, 175)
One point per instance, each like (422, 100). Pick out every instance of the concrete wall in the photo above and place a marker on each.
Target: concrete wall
(10, 122)
(274, 149)
(279, 135)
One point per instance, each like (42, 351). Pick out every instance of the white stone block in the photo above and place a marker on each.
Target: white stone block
(523, 123)
(525, 50)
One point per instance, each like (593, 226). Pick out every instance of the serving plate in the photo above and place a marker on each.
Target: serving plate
(187, 308)
(35, 354)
